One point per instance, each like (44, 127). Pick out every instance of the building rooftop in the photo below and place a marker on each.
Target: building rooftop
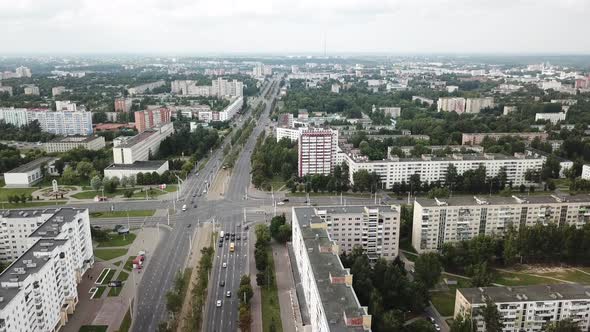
(138, 165)
(33, 165)
(129, 141)
(454, 157)
(501, 200)
(338, 299)
(526, 293)
(29, 263)
(74, 139)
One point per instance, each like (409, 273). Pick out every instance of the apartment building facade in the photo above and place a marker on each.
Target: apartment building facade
(317, 151)
(329, 297)
(145, 87)
(123, 104)
(439, 221)
(50, 251)
(127, 150)
(68, 143)
(152, 118)
(434, 169)
(63, 123)
(528, 308)
(477, 138)
(14, 116)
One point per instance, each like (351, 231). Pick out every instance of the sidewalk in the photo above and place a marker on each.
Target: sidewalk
(256, 301)
(290, 315)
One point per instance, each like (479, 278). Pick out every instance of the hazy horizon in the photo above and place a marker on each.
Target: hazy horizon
(378, 27)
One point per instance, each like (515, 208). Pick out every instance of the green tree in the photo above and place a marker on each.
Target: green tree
(463, 324)
(70, 176)
(428, 269)
(491, 317)
(96, 182)
(84, 168)
(564, 325)
(422, 326)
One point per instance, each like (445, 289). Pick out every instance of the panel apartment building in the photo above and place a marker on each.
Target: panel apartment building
(327, 296)
(59, 122)
(50, 251)
(433, 169)
(440, 221)
(219, 88)
(374, 228)
(528, 308)
(63, 144)
(318, 149)
(151, 118)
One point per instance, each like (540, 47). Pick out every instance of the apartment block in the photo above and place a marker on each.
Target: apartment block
(65, 106)
(327, 293)
(57, 90)
(528, 308)
(554, 118)
(232, 109)
(32, 90)
(152, 118)
(123, 104)
(50, 251)
(475, 105)
(434, 169)
(5, 89)
(439, 221)
(140, 89)
(317, 151)
(291, 133)
(62, 122)
(219, 88)
(14, 116)
(477, 138)
(451, 104)
(63, 144)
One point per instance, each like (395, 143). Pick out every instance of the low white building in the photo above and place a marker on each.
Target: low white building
(449, 220)
(68, 143)
(129, 149)
(329, 296)
(30, 173)
(131, 170)
(50, 251)
(291, 133)
(586, 172)
(527, 308)
(232, 109)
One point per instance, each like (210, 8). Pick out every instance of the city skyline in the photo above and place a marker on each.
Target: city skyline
(353, 26)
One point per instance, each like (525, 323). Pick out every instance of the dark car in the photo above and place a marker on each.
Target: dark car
(285, 200)
(238, 237)
(220, 244)
(222, 283)
(189, 225)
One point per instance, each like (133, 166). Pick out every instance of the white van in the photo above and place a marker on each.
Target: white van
(184, 207)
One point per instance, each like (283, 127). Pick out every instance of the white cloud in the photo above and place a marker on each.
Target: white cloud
(294, 26)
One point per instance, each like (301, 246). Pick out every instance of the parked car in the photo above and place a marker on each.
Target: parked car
(285, 200)
(115, 283)
(224, 264)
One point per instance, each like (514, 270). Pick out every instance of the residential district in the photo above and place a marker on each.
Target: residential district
(295, 193)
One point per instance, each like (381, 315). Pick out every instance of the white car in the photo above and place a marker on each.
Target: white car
(281, 203)
(218, 303)
(224, 264)
(436, 327)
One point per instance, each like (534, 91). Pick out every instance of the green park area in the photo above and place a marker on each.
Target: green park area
(108, 254)
(93, 328)
(117, 240)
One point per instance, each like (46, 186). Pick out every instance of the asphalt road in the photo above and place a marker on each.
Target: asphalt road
(172, 252)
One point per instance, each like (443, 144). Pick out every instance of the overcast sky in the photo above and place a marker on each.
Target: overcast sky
(295, 26)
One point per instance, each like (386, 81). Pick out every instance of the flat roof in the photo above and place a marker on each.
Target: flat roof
(32, 165)
(131, 141)
(454, 158)
(501, 200)
(337, 299)
(75, 139)
(527, 293)
(138, 165)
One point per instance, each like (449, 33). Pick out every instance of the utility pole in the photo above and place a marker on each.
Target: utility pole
(128, 223)
(168, 210)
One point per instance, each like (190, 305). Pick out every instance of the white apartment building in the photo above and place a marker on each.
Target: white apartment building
(429, 102)
(291, 133)
(439, 221)
(528, 308)
(29, 174)
(129, 149)
(219, 87)
(475, 105)
(14, 116)
(586, 172)
(328, 295)
(57, 90)
(145, 87)
(232, 109)
(68, 143)
(23, 72)
(552, 117)
(50, 251)
(32, 90)
(62, 122)
(5, 89)
(373, 228)
(394, 112)
(451, 104)
(65, 105)
(433, 169)
(317, 151)
(131, 170)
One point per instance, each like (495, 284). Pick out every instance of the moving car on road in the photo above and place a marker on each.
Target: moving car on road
(232, 247)
(184, 207)
(218, 303)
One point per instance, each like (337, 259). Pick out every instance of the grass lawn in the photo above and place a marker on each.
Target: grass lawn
(5, 192)
(126, 323)
(312, 194)
(117, 263)
(569, 275)
(90, 194)
(115, 291)
(151, 193)
(108, 254)
(122, 214)
(270, 301)
(109, 277)
(93, 328)
(118, 240)
(171, 188)
(129, 264)
(277, 182)
(99, 291)
(518, 279)
(122, 276)
(444, 302)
